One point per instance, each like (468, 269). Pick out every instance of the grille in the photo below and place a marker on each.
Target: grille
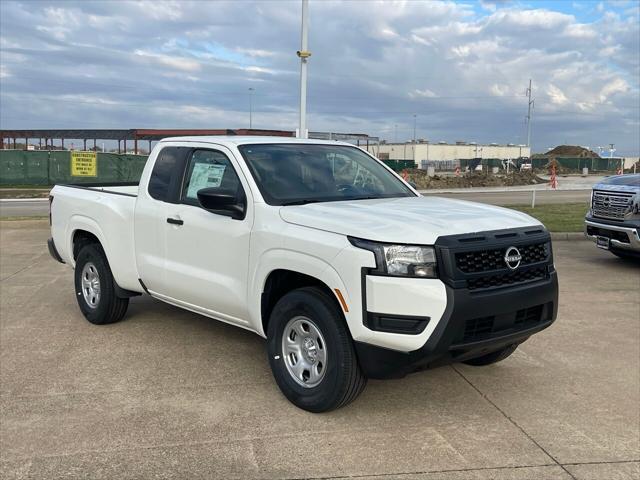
(613, 234)
(488, 260)
(477, 329)
(611, 205)
(529, 315)
(507, 279)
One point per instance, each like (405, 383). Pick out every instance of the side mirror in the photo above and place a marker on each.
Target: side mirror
(223, 202)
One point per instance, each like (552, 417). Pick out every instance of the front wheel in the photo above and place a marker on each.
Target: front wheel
(95, 287)
(493, 357)
(311, 353)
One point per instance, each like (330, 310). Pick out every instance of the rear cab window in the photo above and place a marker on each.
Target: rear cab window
(164, 174)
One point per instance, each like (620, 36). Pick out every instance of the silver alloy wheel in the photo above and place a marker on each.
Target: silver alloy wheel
(91, 285)
(304, 351)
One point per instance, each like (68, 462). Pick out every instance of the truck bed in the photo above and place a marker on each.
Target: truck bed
(105, 211)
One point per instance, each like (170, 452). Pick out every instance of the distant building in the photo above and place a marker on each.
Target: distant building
(442, 151)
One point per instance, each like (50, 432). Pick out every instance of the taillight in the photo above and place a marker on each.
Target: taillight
(50, 203)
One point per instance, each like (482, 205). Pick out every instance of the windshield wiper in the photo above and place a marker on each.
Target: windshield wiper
(301, 202)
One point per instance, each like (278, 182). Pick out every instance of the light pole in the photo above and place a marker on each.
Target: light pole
(251, 89)
(304, 54)
(414, 137)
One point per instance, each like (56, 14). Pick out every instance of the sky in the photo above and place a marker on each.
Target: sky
(462, 68)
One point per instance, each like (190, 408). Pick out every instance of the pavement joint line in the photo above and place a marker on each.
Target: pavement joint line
(11, 396)
(427, 472)
(39, 259)
(246, 439)
(478, 469)
(512, 421)
(603, 462)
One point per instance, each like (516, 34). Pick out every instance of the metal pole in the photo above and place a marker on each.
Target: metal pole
(529, 115)
(304, 54)
(250, 108)
(414, 138)
(533, 199)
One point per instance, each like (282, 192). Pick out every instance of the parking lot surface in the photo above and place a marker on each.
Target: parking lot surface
(170, 394)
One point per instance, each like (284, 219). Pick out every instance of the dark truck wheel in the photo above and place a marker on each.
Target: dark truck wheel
(311, 353)
(95, 287)
(493, 357)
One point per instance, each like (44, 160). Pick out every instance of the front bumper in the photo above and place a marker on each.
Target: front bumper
(617, 234)
(473, 325)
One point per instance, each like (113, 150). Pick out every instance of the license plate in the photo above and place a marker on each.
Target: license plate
(602, 242)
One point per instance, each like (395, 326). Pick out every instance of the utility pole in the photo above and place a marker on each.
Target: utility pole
(251, 107)
(530, 107)
(414, 137)
(304, 54)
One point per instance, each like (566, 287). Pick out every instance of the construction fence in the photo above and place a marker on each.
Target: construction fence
(567, 163)
(45, 168)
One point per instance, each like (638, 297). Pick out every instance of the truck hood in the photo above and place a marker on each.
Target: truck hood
(419, 220)
(620, 183)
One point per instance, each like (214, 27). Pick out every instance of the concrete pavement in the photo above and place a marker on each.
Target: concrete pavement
(40, 207)
(36, 207)
(170, 394)
(515, 197)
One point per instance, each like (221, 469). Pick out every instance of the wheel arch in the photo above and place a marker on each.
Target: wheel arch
(283, 271)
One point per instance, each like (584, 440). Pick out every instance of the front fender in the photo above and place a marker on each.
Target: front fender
(284, 259)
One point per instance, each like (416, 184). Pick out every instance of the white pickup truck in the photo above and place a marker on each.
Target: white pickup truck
(346, 270)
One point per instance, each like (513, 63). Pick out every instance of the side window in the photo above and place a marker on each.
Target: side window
(165, 166)
(208, 169)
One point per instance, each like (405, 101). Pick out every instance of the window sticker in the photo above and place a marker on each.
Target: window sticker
(205, 175)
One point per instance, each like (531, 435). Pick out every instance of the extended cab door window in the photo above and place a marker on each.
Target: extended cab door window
(208, 169)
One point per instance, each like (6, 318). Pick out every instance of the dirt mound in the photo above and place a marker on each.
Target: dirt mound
(472, 179)
(571, 151)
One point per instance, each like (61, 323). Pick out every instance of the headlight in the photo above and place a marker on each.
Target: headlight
(401, 260)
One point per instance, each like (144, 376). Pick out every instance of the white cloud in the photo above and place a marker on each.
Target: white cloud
(178, 63)
(556, 95)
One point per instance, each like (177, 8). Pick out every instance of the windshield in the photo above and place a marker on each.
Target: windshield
(289, 174)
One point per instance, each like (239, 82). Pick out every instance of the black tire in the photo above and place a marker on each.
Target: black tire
(493, 357)
(108, 308)
(342, 380)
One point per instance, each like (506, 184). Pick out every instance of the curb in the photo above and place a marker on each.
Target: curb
(39, 199)
(567, 236)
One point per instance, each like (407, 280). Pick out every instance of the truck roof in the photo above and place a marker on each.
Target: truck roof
(247, 140)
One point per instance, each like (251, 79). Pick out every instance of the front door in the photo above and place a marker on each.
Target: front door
(207, 254)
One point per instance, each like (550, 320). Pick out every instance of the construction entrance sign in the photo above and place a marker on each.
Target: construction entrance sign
(84, 164)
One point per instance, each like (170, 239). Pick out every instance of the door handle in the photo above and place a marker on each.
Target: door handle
(175, 221)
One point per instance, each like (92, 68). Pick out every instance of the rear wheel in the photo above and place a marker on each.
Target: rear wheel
(311, 353)
(95, 287)
(493, 357)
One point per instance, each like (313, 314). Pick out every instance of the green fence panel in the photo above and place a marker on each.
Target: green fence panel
(23, 167)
